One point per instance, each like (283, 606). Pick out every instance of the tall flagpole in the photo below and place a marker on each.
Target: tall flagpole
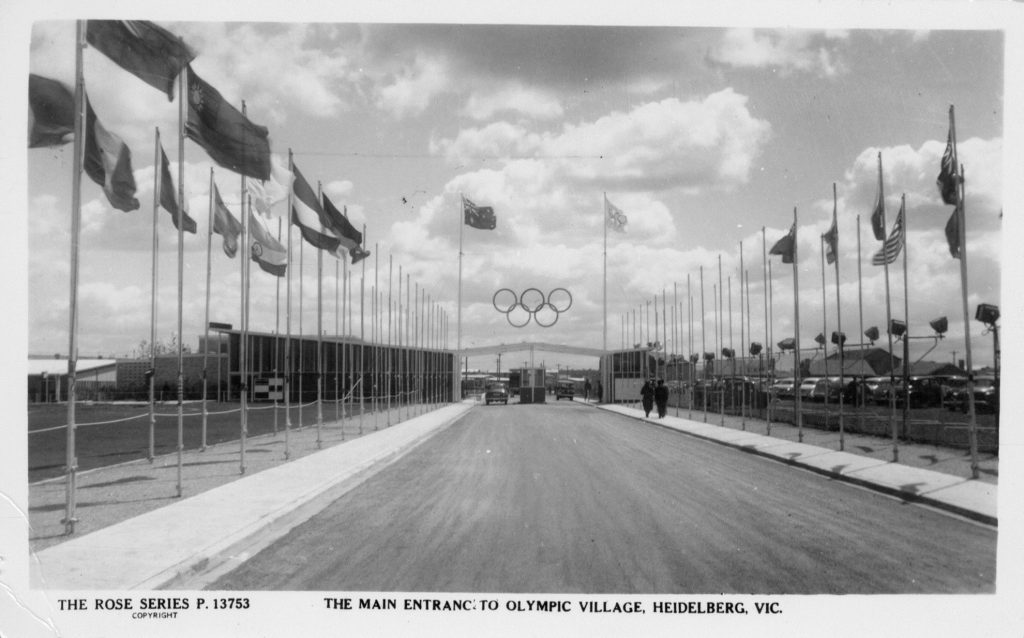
(375, 313)
(387, 384)
(691, 365)
(277, 325)
(743, 386)
(824, 324)
(337, 339)
(458, 346)
(972, 429)
(288, 352)
(181, 271)
(771, 338)
(604, 279)
(206, 316)
(860, 312)
(243, 352)
(720, 343)
(157, 177)
(319, 335)
(839, 327)
(302, 333)
(769, 376)
(888, 323)
(71, 460)
(362, 338)
(676, 332)
(906, 318)
(796, 351)
(703, 346)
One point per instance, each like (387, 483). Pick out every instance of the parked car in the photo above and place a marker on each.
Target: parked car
(565, 389)
(951, 392)
(986, 395)
(783, 389)
(496, 393)
(826, 389)
(807, 386)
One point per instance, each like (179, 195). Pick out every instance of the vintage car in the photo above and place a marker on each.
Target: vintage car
(496, 393)
(565, 390)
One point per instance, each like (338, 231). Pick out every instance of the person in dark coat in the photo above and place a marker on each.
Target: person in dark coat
(647, 396)
(661, 398)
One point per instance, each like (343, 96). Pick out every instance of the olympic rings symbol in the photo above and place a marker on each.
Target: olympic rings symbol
(532, 304)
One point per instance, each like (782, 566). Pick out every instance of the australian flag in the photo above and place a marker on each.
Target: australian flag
(481, 217)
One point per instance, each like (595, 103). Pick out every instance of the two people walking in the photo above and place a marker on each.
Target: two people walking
(654, 393)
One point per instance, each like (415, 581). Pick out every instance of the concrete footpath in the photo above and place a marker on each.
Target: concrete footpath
(136, 533)
(178, 540)
(865, 460)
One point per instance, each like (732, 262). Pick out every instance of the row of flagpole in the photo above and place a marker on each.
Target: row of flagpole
(950, 181)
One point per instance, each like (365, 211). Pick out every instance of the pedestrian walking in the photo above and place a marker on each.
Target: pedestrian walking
(661, 398)
(647, 396)
(586, 390)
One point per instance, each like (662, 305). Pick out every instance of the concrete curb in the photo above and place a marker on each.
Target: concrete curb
(191, 542)
(971, 499)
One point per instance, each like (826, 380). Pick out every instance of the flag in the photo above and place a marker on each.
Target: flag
(953, 233)
(266, 251)
(339, 224)
(786, 246)
(947, 180)
(358, 254)
(890, 250)
(615, 218)
(481, 217)
(108, 162)
(878, 215)
(309, 216)
(153, 54)
(831, 238)
(228, 137)
(51, 112)
(225, 224)
(169, 198)
(267, 194)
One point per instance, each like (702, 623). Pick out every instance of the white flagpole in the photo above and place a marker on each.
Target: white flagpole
(362, 338)
(277, 324)
(839, 327)
(769, 373)
(244, 337)
(888, 324)
(691, 365)
(288, 352)
(157, 177)
(337, 339)
(860, 311)
(458, 346)
(771, 332)
(319, 335)
(181, 271)
(796, 314)
(375, 312)
(206, 316)
(824, 324)
(71, 460)
(604, 295)
(743, 386)
(387, 384)
(703, 346)
(302, 333)
(906, 317)
(676, 333)
(720, 343)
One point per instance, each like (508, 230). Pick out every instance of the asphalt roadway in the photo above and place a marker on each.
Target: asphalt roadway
(565, 498)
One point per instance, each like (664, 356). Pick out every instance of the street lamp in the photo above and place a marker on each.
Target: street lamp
(988, 314)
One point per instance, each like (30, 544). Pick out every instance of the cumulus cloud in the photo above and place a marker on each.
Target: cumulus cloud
(788, 51)
(515, 98)
(411, 89)
(711, 143)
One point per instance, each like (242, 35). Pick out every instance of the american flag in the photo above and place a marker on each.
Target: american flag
(891, 249)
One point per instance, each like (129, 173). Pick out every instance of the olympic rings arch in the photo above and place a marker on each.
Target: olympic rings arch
(532, 304)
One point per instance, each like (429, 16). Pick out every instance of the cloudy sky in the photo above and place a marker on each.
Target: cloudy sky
(702, 136)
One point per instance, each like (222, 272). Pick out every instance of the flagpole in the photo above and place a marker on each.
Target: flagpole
(771, 332)
(206, 316)
(362, 338)
(753, 398)
(319, 335)
(888, 323)
(824, 325)
(277, 325)
(71, 460)
(720, 334)
(796, 351)
(676, 329)
(376, 348)
(691, 365)
(181, 271)
(703, 346)
(342, 363)
(769, 372)
(458, 346)
(732, 359)
(839, 325)
(387, 384)
(337, 338)
(604, 279)
(302, 333)
(243, 351)
(860, 310)
(288, 353)
(906, 317)
(157, 176)
(408, 351)
(743, 386)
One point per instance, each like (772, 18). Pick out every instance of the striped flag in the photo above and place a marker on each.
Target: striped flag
(308, 214)
(266, 251)
(146, 50)
(948, 178)
(890, 250)
(225, 224)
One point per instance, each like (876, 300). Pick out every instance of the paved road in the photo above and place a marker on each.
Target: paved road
(564, 498)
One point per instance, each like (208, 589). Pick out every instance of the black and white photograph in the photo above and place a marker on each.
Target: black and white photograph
(511, 319)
